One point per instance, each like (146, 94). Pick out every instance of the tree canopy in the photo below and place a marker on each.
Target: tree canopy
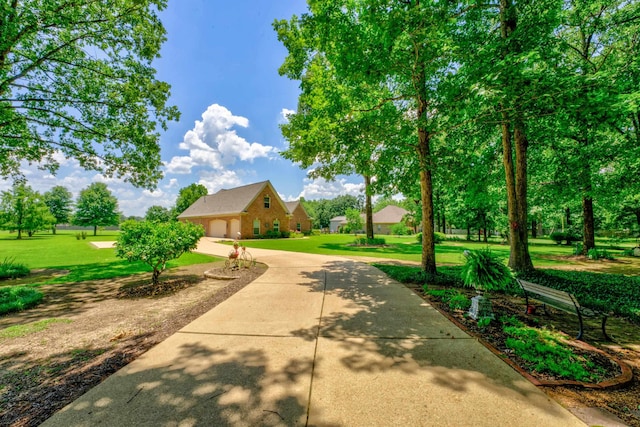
(76, 79)
(96, 207)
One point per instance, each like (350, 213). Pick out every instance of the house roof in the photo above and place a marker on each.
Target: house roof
(227, 202)
(389, 215)
(292, 205)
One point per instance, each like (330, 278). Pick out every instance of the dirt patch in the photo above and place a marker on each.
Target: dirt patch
(100, 327)
(624, 402)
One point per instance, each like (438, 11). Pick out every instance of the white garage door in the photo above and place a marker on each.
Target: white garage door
(234, 228)
(217, 228)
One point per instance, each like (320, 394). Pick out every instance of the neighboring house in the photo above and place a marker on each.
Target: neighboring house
(250, 210)
(300, 220)
(383, 220)
(387, 217)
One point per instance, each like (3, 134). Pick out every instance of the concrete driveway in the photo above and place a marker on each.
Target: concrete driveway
(316, 341)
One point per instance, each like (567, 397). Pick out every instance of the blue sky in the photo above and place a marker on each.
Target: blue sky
(221, 60)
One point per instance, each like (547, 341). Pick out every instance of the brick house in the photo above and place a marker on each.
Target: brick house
(250, 210)
(300, 220)
(383, 220)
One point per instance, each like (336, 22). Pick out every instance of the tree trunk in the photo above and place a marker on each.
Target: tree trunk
(516, 175)
(53, 229)
(567, 213)
(95, 230)
(368, 207)
(588, 229)
(426, 182)
(534, 228)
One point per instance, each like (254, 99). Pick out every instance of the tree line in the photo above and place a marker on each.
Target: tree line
(24, 210)
(501, 114)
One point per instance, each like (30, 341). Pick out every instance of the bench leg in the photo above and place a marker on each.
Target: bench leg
(604, 327)
(579, 337)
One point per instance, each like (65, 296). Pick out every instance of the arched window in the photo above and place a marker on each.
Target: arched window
(267, 202)
(256, 227)
(276, 225)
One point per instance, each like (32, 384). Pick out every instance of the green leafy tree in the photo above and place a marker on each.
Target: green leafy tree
(158, 214)
(96, 207)
(22, 209)
(188, 195)
(401, 46)
(59, 201)
(76, 78)
(157, 243)
(354, 220)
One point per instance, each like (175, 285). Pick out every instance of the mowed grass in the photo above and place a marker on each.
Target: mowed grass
(544, 252)
(82, 260)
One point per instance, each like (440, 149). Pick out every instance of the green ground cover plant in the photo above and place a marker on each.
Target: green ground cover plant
(546, 352)
(615, 293)
(17, 298)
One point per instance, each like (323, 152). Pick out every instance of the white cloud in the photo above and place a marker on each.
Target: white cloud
(323, 189)
(213, 143)
(284, 115)
(217, 180)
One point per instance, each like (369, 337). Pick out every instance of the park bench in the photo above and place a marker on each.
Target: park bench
(562, 301)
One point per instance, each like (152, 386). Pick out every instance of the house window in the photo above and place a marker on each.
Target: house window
(299, 227)
(267, 202)
(276, 225)
(256, 227)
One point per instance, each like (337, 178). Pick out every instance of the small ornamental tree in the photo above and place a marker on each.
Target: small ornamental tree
(354, 220)
(156, 243)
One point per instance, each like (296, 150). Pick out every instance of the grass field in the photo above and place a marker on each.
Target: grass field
(64, 251)
(544, 252)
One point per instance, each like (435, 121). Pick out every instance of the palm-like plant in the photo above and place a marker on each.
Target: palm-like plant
(484, 271)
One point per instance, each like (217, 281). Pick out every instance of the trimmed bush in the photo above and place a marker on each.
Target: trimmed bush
(437, 237)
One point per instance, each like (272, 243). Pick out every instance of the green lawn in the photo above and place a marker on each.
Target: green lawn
(544, 252)
(83, 261)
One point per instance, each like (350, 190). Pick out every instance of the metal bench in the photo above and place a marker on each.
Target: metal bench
(562, 301)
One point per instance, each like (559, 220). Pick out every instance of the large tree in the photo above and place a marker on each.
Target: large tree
(76, 79)
(188, 195)
(59, 201)
(399, 45)
(96, 207)
(22, 209)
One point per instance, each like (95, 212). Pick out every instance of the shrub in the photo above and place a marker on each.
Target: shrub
(459, 301)
(437, 237)
(557, 236)
(17, 298)
(485, 271)
(9, 269)
(156, 243)
(363, 241)
(596, 254)
(400, 229)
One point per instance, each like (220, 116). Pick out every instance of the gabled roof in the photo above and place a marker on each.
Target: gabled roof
(292, 206)
(389, 215)
(228, 202)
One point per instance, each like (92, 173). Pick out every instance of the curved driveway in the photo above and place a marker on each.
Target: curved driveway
(318, 341)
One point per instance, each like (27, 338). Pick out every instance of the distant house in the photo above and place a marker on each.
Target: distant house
(387, 217)
(251, 210)
(383, 220)
(300, 220)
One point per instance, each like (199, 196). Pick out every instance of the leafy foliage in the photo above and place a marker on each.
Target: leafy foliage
(59, 201)
(188, 195)
(76, 78)
(485, 271)
(22, 209)
(10, 269)
(156, 243)
(17, 298)
(545, 351)
(96, 206)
